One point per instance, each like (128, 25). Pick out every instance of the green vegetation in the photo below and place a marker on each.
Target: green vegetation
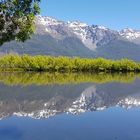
(13, 62)
(17, 19)
(45, 78)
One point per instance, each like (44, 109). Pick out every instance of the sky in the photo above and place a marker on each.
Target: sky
(114, 14)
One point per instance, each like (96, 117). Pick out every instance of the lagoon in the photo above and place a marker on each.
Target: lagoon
(69, 106)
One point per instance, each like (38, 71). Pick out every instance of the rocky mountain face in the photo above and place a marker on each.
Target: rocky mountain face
(47, 101)
(54, 37)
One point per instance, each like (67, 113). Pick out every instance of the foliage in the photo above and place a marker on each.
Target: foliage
(14, 62)
(17, 19)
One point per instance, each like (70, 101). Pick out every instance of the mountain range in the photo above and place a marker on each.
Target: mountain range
(75, 38)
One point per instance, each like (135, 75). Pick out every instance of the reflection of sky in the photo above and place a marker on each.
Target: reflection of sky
(110, 124)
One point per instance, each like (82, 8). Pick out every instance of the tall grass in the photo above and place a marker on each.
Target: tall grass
(13, 62)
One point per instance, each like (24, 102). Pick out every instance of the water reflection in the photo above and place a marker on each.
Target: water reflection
(42, 95)
(26, 79)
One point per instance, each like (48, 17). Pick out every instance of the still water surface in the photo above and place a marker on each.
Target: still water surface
(42, 106)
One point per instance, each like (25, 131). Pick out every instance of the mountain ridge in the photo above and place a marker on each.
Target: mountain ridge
(75, 38)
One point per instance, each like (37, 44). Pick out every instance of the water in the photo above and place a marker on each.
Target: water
(42, 106)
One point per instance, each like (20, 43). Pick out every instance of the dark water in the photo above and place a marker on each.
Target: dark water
(69, 107)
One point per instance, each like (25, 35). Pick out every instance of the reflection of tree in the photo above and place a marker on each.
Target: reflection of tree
(50, 100)
(59, 78)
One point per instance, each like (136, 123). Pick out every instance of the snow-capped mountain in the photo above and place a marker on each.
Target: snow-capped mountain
(91, 36)
(131, 35)
(75, 38)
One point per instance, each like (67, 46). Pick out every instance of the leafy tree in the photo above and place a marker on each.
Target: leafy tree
(17, 19)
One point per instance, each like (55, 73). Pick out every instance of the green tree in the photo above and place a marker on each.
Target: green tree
(17, 19)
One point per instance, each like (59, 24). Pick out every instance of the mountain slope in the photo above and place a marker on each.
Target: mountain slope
(47, 45)
(118, 49)
(55, 37)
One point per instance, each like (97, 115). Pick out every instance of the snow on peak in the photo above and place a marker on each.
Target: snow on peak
(76, 23)
(47, 20)
(130, 34)
(128, 30)
(99, 27)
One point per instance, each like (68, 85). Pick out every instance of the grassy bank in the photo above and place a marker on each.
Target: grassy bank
(13, 62)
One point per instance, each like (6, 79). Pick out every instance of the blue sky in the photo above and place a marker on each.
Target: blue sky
(115, 14)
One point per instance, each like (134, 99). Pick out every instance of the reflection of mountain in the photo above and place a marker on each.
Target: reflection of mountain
(45, 101)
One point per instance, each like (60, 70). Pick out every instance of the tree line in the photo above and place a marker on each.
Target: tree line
(12, 62)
